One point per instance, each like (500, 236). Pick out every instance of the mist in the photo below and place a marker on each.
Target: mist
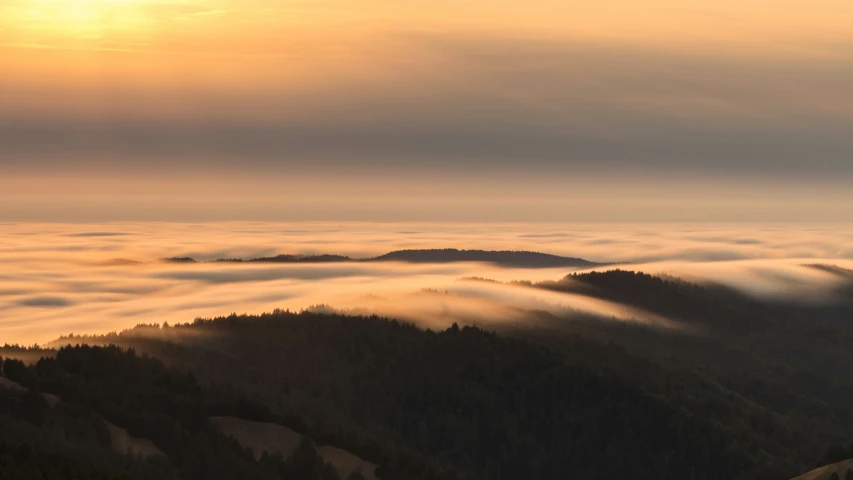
(93, 278)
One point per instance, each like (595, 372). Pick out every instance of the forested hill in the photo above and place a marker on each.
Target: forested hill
(790, 359)
(757, 390)
(489, 405)
(519, 259)
(71, 434)
(506, 258)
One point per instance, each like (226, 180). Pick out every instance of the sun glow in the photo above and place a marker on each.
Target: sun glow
(74, 23)
(77, 14)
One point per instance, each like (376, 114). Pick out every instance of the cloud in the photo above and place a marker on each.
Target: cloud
(46, 302)
(453, 126)
(468, 101)
(227, 273)
(48, 290)
(96, 234)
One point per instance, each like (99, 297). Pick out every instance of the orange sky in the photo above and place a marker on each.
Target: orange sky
(267, 26)
(100, 96)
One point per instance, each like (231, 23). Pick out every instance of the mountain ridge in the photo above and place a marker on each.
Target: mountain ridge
(505, 258)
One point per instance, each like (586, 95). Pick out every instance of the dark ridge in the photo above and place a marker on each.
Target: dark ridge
(97, 234)
(180, 260)
(302, 259)
(362, 383)
(290, 259)
(151, 401)
(27, 354)
(121, 261)
(479, 279)
(503, 258)
(791, 359)
(834, 269)
(838, 310)
(523, 283)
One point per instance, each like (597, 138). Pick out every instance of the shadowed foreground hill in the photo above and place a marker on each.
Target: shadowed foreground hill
(727, 321)
(791, 360)
(98, 388)
(488, 405)
(838, 311)
(270, 438)
(754, 391)
(836, 471)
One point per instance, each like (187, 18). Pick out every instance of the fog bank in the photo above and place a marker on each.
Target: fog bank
(93, 278)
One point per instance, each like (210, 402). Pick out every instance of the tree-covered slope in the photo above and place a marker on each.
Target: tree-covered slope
(71, 440)
(780, 355)
(487, 404)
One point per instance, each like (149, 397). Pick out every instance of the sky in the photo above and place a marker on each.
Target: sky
(468, 110)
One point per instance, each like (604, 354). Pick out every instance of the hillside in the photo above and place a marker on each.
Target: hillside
(785, 358)
(482, 402)
(271, 438)
(751, 390)
(836, 471)
(165, 430)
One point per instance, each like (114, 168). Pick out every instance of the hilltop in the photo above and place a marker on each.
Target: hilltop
(503, 258)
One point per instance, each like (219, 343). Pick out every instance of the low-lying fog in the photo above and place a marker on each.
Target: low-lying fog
(78, 278)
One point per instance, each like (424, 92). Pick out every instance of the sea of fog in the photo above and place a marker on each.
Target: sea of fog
(58, 279)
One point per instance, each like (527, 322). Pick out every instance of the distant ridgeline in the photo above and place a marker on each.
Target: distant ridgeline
(519, 259)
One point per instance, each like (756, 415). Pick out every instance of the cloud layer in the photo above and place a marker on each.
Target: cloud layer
(721, 110)
(90, 278)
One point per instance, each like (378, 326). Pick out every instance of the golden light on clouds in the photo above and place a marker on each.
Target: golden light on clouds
(225, 21)
(63, 20)
(310, 29)
(93, 278)
(108, 25)
(754, 91)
